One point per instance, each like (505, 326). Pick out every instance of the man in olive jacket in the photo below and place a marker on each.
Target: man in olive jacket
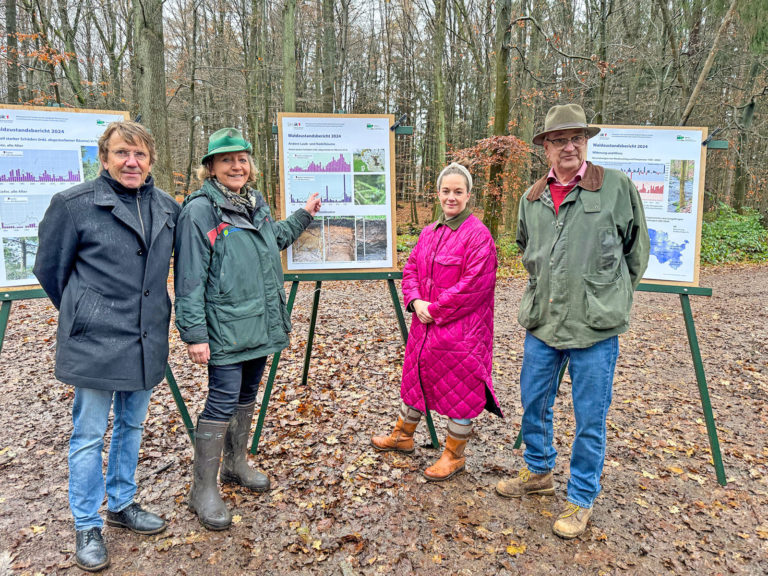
(584, 240)
(105, 250)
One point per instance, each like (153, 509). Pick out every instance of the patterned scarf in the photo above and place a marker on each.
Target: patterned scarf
(245, 198)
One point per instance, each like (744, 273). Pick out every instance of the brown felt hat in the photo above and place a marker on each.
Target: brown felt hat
(565, 117)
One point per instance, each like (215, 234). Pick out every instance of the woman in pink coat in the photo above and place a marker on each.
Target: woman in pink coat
(448, 285)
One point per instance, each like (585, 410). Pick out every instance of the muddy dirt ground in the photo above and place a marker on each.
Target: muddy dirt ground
(339, 507)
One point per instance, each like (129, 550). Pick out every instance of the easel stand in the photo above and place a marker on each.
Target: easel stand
(698, 366)
(6, 299)
(318, 279)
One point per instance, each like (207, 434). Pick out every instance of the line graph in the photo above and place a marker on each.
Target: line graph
(648, 177)
(22, 214)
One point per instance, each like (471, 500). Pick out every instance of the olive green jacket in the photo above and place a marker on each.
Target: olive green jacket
(228, 276)
(584, 262)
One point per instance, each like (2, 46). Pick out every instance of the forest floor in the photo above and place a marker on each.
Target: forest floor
(339, 507)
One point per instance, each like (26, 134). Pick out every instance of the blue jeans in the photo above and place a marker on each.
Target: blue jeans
(591, 372)
(90, 414)
(230, 385)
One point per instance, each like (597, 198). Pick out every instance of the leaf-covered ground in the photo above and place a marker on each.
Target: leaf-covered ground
(339, 507)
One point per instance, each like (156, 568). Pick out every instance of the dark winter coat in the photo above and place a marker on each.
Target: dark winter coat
(109, 287)
(229, 277)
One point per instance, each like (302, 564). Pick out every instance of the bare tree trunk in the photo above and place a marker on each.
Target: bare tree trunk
(741, 175)
(67, 33)
(329, 56)
(438, 47)
(605, 11)
(492, 207)
(12, 66)
(674, 48)
(192, 102)
(150, 84)
(289, 56)
(708, 64)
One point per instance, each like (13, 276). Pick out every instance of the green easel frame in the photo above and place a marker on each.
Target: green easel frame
(318, 278)
(698, 366)
(7, 298)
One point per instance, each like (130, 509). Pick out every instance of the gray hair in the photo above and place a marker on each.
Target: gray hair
(456, 168)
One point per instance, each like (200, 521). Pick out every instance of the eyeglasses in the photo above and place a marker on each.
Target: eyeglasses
(563, 142)
(125, 154)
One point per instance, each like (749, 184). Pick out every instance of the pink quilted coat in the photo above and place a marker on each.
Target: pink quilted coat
(451, 357)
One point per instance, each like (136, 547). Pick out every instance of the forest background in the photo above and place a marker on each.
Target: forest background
(473, 77)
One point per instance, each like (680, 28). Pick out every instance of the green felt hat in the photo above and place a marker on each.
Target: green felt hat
(226, 140)
(565, 117)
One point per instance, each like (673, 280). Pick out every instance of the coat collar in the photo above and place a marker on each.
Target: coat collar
(592, 181)
(105, 196)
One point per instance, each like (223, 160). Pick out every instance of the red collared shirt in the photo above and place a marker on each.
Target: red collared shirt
(560, 191)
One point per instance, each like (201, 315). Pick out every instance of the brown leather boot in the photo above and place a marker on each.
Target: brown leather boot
(452, 460)
(526, 483)
(399, 440)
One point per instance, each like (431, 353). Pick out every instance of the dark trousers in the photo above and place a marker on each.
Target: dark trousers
(231, 385)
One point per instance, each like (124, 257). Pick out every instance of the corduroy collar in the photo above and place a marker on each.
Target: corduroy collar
(592, 181)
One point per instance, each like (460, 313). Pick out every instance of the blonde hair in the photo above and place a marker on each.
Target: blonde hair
(455, 168)
(203, 172)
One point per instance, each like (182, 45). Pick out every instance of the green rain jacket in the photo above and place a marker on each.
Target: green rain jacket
(584, 262)
(228, 276)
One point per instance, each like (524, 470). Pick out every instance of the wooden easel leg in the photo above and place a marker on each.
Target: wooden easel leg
(180, 403)
(271, 378)
(714, 443)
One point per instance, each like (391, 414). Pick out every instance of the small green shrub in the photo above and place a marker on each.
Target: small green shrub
(727, 236)
(406, 242)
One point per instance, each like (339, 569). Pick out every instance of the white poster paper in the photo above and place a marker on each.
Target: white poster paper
(42, 152)
(348, 161)
(665, 165)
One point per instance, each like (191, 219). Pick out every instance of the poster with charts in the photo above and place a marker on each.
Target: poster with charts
(42, 151)
(349, 160)
(666, 165)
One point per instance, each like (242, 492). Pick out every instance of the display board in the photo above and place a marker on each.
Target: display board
(667, 166)
(42, 151)
(349, 160)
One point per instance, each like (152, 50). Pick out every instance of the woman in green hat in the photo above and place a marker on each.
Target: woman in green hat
(230, 310)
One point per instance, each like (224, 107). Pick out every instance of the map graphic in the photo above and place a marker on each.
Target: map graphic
(369, 160)
(666, 251)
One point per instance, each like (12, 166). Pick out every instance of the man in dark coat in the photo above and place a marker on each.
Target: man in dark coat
(105, 249)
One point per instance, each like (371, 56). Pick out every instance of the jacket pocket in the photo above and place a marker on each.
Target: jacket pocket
(607, 302)
(447, 270)
(529, 315)
(85, 310)
(242, 327)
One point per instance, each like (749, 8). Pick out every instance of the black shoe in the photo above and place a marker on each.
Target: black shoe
(91, 554)
(136, 519)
